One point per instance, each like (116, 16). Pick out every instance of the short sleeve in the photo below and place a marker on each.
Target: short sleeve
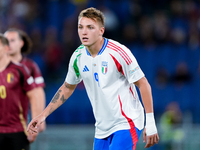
(131, 68)
(37, 75)
(34, 71)
(73, 74)
(28, 81)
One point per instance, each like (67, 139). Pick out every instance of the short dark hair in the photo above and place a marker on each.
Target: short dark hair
(23, 36)
(94, 14)
(4, 40)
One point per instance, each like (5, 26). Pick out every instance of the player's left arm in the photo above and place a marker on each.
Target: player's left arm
(34, 102)
(150, 131)
(35, 110)
(39, 80)
(42, 98)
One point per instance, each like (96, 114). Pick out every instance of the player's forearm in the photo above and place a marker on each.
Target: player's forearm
(146, 95)
(34, 103)
(147, 99)
(42, 98)
(59, 98)
(56, 102)
(145, 91)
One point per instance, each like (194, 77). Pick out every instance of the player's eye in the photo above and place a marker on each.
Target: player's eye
(90, 27)
(80, 27)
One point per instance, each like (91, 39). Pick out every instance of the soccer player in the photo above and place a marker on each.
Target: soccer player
(20, 44)
(16, 84)
(109, 72)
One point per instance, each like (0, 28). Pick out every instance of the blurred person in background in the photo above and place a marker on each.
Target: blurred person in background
(17, 89)
(109, 72)
(53, 53)
(170, 123)
(162, 77)
(19, 45)
(182, 75)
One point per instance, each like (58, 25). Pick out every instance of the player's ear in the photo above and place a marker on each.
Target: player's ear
(102, 30)
(21, 43)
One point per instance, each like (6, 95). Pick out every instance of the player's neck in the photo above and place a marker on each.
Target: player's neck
(16, 58)
(95, 48)
(4, 61)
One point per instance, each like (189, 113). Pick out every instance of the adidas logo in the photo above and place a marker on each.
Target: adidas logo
(85, 69)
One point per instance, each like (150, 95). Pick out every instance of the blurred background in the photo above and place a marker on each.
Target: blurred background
(164, 36)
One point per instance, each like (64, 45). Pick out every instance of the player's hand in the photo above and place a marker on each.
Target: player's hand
(151, 139)
(31, 137)
(33, 126)
(42, 127)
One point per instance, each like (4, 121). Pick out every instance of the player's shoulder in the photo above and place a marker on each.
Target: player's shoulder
(19, 66)
(119, 51)
(114, 43)
(116, 46)
(15, 65)
(26, 60)
(79, 51)
(29, 63)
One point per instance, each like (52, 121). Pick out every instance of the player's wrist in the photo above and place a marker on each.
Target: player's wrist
(150, 124)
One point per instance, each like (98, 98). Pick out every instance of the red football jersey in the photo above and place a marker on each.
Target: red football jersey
(34, 71)
(15, 81)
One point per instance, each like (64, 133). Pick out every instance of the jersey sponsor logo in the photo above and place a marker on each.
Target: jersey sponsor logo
(132, 71)
(104, 67)
(10, 77)
(85, 69)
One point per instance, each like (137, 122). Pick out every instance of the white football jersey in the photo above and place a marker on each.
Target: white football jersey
(108, 79)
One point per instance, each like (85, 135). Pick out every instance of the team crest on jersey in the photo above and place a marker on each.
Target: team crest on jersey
(10, 77)
(104, 67)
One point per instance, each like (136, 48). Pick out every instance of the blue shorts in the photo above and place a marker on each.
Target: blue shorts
(119, 140)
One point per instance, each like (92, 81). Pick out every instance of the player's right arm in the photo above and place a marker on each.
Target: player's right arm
(63, 93)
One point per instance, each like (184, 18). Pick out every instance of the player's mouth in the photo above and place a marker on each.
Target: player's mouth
(84, 39)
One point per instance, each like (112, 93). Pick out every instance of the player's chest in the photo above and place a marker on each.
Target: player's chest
(98, 68)
(10, 80)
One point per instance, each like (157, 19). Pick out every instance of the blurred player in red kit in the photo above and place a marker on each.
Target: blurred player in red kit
(20, 44)
(16, 84)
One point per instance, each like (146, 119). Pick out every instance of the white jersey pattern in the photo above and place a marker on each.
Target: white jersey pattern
(108, 79)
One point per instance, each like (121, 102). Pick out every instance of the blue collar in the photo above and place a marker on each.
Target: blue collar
(102, 49)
